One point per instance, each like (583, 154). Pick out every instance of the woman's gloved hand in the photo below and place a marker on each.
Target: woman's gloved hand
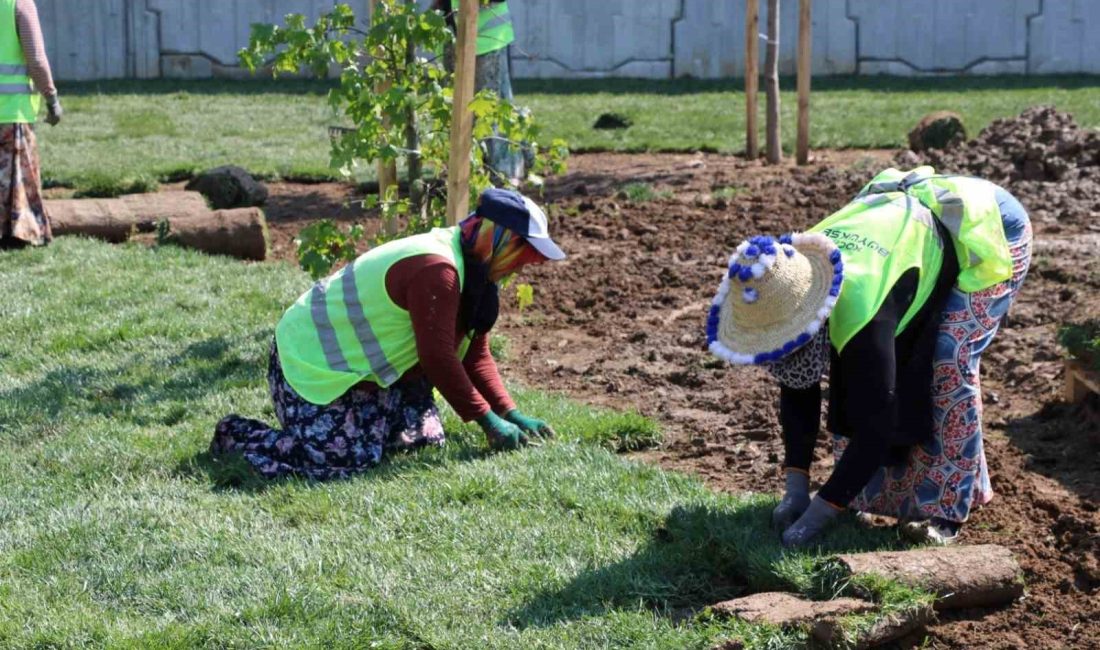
(530, 425)
(53, 111)
(500, 433)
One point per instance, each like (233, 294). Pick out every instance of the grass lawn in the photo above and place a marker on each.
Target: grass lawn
(129, 134)
(118, 530)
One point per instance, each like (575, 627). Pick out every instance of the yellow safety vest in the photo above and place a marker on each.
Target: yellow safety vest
(347, 329)
(880, 237)
(19, 102)
(968, 208)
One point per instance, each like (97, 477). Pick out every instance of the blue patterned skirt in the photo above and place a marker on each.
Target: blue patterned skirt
(334, 440)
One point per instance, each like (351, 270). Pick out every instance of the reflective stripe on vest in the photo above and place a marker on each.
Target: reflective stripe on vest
(372, 350)
(972, 217)
(346, 328)
(16, 89)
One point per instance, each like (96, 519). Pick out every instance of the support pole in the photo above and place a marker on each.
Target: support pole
(752, 76)
(387, 170)
(462, 122)
(805, 58)
(771, 81)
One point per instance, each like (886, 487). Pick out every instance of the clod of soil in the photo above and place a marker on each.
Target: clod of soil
(938, 130)
(229, 187)
(613, 121)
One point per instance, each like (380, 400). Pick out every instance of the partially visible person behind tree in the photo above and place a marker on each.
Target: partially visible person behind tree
(494, 34)
(25, 79)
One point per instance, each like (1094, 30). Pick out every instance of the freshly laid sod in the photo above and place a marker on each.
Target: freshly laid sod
(127, 134)
(118, 530)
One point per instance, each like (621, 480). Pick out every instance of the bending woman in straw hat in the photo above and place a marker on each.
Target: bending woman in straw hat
(356, 357)
(895, 296)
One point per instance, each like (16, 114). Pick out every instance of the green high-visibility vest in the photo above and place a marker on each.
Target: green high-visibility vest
(347, 329)
(19, 102)
(494, 26)
(968, 208)
(880, 237)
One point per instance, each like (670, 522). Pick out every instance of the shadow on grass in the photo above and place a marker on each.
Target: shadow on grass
(134, 389)
(230, 472)
(699, 556)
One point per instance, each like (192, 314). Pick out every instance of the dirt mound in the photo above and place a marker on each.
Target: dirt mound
(1051, 164)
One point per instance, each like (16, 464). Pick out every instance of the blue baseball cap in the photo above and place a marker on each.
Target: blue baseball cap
(519, 214)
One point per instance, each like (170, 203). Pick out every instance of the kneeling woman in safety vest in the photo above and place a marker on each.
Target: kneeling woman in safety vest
(895, 297)
(356, 357)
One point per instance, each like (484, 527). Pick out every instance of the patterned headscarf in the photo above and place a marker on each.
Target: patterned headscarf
(491, 253)
(503, 250)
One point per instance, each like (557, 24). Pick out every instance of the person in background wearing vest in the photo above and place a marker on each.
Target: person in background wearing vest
(25, 79)
(895, 296)
(356, 357)
(495, 34)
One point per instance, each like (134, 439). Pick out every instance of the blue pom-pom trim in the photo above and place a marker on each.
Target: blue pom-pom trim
(802, 339)
(745, 274)
(835, 257)
(734, 270)
(752, 251)
(712, 323)
(750, 295)
(786, 239)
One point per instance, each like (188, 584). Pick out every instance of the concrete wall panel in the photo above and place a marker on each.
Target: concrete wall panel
(95, 39)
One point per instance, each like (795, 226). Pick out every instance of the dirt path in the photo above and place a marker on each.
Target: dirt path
(621, 323)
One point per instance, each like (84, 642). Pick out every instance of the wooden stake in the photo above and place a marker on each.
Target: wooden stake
(387, 170)
(805, 50)
(771, 84)
(462, 123)
(752, 76)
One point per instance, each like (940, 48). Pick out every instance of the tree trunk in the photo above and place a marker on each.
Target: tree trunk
(387, 169)
(960, 576)
(752, 76)
(412, 144)
(458, 167)
(771, 79)
(805, 60)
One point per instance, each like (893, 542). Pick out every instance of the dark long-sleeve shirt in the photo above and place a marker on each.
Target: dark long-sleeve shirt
(427, 287)
(880, 387)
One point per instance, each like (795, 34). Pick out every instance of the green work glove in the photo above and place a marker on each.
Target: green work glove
(529, 425)
(500, 433)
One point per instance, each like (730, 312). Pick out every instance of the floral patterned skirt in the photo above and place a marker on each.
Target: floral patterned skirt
(23, 219)
(334, 440)
(948, 476)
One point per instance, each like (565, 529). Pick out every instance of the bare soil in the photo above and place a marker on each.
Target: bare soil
(621, 323)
